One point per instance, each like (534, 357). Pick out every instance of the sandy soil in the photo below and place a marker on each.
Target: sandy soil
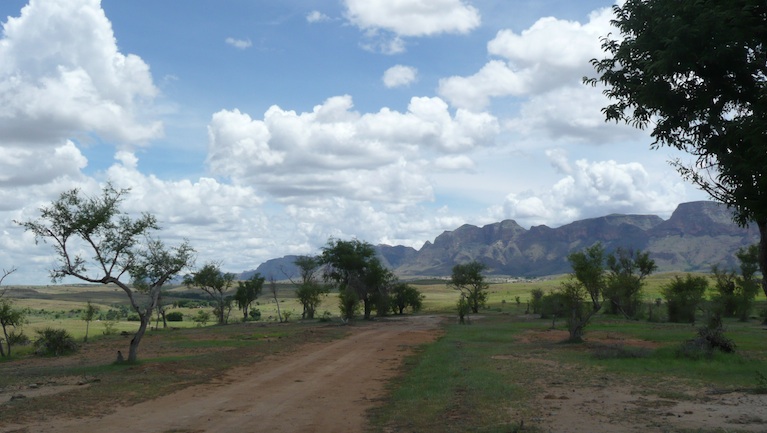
(324, 387)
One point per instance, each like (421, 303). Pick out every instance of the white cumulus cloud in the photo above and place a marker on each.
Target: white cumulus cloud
(409, 18)
(589, 189)
(334, 151)
(239, 43)
(60, 66)
(399, 75)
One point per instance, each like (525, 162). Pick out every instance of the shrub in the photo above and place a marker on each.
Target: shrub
(54, 342)
(255, 314)
(134, 318)
(110, 327)
(683, 295)
(202, 317)
(536, 297)
(710, 339)
(554, 305)
(175, 316)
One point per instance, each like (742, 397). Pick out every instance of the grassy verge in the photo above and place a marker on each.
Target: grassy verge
(488, 376)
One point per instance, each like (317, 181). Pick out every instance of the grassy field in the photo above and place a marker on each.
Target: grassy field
(485, 377)
(490, 376)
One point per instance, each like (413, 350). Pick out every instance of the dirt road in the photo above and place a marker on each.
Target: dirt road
(318, 388)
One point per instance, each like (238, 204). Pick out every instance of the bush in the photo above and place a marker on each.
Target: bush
(54, 342)
(683, 295)
(175, 316)
(536, 297)
(710, 338)
(255, 314)
(554, 305)
(202, 317)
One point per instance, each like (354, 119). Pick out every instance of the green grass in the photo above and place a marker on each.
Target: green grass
(456, 384)
(485, 376)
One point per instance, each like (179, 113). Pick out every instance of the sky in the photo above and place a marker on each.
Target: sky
(258, 129)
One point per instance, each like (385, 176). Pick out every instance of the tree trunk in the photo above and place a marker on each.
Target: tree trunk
(87, 324)
(133, 349)
(368, 307)
(763, 255)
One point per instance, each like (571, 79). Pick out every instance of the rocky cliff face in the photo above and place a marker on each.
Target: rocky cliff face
(697, 236)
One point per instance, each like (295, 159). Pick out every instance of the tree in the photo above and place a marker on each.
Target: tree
(247, 292)
(468, 279)
(216, 284)
(735, 293)
(309, 292)
(120, 246)
(627, 272)
(404, 295)
(586, 283)
(89, 313)
(10, 320)
(696, 74)
(354, 268)
(273, 291)
(683, 295)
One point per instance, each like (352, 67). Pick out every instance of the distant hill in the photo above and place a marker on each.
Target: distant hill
(697, 236)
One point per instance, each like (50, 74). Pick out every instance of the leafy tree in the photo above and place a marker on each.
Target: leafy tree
(468, 279)
(735, 294)
(247, 292)
(585, 285)
(120, 246)
(310, 291)
(354, 268)
(216, 284)
(696, 74)
(10, 319)
(88, 315)
(404, 295)
(627, 272)
(683, 296)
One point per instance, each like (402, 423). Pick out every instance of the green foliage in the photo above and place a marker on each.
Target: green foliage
(54, 342)
(683, 296)
(247, 292)
(404, 296)
(352, 266)
(115, 245)
(536, 299)
(695, 73)
(175, 316)
(10, 320)
(110, 327)
(735, 294)
(554, 305)
(255, 314)
(468, 279)
(216, 284)
(463, 308)
(348, 304)
(202, 318)
(627, 272)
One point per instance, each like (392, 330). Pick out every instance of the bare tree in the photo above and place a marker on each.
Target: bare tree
(273, 291)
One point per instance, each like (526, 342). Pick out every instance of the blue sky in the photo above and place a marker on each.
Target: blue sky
(257, 129)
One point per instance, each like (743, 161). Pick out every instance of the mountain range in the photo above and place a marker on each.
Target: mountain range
(697, 236)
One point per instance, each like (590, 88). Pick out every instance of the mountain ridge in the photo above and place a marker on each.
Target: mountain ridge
(696, 236)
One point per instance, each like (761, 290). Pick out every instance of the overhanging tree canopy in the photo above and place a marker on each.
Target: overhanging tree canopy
(695, 73)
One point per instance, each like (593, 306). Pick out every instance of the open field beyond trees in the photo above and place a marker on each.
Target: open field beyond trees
(506, 371)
